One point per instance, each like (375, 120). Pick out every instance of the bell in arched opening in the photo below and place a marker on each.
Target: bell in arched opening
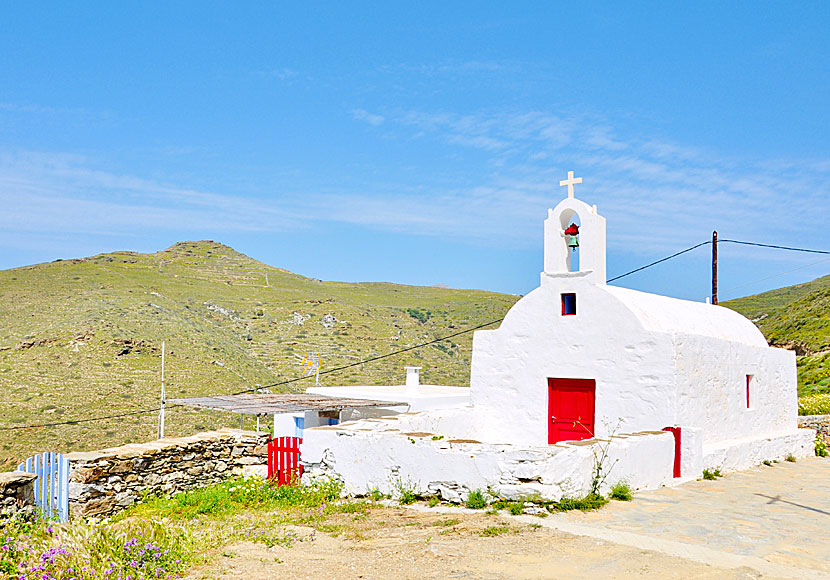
(572, 236)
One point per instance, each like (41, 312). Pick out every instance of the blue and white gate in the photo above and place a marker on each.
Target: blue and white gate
(52, 483)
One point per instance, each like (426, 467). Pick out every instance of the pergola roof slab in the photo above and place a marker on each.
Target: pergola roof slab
(276, 403)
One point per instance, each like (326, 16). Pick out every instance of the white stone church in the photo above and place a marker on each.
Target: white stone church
(668, 387)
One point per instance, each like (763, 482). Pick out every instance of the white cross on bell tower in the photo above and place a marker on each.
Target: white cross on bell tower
(570, 182)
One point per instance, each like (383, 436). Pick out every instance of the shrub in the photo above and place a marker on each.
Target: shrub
(621, 491)
(516, 508)
(407, 492)
(817, 404)
(475, 500)
(711, 474)
(790, 458)
(822, 449)
(419, 315)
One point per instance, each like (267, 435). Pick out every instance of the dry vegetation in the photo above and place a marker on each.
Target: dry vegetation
(82, 338)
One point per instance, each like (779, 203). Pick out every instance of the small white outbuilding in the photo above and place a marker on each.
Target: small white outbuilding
(669, 386)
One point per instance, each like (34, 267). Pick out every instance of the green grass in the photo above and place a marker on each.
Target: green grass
(82, 338)
(238, 494)
(588, 503)
(476, 500)
(712, 474)
(491, 531)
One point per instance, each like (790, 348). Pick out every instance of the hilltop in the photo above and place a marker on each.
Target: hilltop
(82, 338)
(796, 317)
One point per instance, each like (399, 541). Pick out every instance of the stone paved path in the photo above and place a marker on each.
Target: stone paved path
(773, 519)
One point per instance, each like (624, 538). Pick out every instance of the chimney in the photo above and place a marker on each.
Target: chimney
(413, 379)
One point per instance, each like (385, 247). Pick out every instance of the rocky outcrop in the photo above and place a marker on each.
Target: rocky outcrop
(109, 480)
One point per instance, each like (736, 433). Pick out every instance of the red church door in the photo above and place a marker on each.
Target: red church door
(570, 409)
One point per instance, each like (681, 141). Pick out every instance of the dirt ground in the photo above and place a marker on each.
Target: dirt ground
(403, 543)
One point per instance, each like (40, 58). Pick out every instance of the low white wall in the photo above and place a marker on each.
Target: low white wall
(367, 455)
(737, 454)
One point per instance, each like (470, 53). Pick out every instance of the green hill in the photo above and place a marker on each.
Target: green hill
(796, 317)
(82, 338)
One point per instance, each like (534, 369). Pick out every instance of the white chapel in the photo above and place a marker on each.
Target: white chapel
(671, 386)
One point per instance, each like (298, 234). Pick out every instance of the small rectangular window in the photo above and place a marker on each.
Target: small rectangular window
(568, 304)
(749, 381)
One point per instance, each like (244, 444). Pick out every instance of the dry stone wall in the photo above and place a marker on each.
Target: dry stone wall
(820, 423)
(17, 492)
(109, 480)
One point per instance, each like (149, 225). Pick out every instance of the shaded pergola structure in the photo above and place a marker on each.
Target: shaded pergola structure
(263, 404)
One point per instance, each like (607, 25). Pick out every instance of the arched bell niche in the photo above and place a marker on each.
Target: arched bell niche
(567, 218)
(589, 258)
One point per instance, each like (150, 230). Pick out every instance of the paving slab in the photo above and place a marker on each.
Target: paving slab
(774, 519)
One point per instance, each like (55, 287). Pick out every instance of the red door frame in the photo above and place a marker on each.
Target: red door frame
(571, 409)
(678, 434)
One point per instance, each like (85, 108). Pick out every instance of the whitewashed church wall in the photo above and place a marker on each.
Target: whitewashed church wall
(633, 368)
(389, 461)
(711, 380)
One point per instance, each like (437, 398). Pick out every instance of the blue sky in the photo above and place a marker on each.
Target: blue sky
(420, 143)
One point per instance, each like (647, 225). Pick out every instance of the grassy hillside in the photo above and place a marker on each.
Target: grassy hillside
(796, 317)
(81, 338)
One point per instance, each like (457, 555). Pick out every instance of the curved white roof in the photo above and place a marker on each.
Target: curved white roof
(674, 316)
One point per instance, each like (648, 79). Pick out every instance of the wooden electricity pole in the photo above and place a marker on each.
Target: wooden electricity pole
(715, 267)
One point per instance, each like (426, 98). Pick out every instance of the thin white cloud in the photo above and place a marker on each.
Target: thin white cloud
(658, 196)
(372, 119)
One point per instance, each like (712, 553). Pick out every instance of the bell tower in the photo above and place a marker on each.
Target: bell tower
(591, 238)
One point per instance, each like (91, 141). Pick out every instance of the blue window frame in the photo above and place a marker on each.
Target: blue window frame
(568, 304)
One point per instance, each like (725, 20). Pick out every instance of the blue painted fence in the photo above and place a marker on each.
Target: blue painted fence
(52, 483)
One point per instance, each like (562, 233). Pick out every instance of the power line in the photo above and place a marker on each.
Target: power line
(661, 260)
(375, 358)
(76, 421)
(774, 246)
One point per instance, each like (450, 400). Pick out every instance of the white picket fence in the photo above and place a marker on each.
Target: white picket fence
(52, 483)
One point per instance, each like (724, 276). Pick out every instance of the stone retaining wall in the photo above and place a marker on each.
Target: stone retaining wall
(16, 492)
(820, 423)
(109, 480)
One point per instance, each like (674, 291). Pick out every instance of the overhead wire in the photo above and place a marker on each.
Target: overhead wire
(660, 261)
(774, 246)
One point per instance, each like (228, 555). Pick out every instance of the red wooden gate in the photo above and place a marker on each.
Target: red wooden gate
(284, 460)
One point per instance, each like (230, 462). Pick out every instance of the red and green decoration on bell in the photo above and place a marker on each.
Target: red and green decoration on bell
(572, 236)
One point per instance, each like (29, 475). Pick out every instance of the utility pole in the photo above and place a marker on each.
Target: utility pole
(163, 396)
(715, 267)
